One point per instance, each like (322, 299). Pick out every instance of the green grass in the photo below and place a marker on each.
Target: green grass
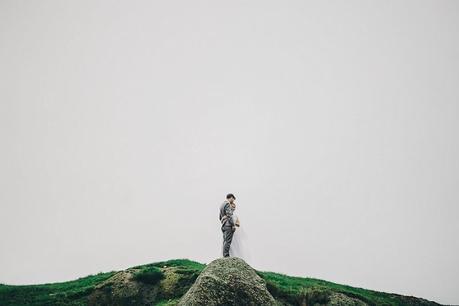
(181, 263)
(149, 275)
(64, 293)
(290, 289)
(170, 302)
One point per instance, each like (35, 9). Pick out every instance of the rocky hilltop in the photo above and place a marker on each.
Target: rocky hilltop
(182, 282)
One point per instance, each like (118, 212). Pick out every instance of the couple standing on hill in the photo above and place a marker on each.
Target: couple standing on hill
(229, 221)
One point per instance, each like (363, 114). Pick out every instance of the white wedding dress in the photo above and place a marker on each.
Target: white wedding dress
(238, 247)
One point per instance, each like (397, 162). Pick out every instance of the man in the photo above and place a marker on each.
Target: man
(228, 225)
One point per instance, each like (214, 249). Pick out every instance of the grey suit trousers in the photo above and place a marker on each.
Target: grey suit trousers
(227, 238)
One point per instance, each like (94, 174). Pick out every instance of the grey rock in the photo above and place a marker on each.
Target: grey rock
(228, 281)
(122, 290)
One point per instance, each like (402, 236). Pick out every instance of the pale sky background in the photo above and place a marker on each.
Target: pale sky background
(124, 124)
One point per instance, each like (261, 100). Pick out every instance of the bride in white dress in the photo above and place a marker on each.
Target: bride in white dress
(238, 246)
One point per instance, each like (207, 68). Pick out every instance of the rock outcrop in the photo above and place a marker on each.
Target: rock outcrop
(228, 281)
(121, 289)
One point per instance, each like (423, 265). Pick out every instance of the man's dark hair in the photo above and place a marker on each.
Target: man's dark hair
(230, 195)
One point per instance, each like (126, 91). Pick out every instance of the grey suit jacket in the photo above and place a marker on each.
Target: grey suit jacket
(226, 210)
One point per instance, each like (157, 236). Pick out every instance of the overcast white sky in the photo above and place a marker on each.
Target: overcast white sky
(123, 125)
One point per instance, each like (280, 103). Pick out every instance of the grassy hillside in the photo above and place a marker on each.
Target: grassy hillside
(163, 283)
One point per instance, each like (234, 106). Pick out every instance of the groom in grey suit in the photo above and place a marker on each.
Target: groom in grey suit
(228, 226)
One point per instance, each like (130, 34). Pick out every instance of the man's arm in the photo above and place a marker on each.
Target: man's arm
(229, 213)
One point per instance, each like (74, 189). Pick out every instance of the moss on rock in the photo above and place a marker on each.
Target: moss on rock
(228, 281)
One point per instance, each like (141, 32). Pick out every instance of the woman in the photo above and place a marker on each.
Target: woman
(238, 244)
